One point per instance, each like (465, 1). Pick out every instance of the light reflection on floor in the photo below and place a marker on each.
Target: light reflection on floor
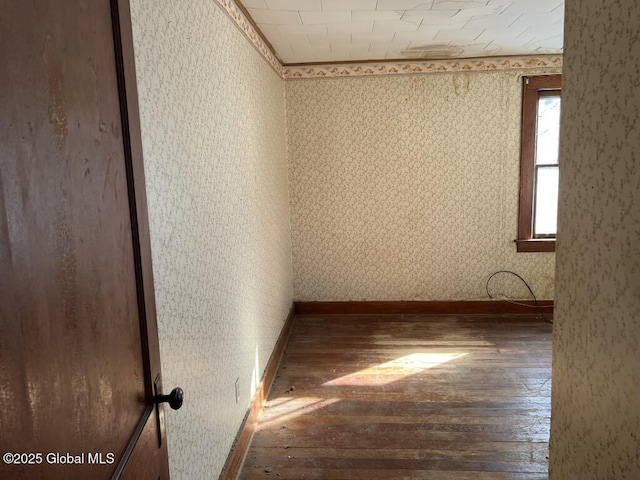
(396, 369)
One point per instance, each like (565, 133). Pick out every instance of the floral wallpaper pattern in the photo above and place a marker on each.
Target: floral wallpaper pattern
(406, 188)
(213, 127)
(595, 422)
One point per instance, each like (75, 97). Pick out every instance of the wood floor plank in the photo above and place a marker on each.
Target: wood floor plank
(425, 460)
(313, 473)
(411, 409)
(431, 422)
(386, 436)
(408, 396)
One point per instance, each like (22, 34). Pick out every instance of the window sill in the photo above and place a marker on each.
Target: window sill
(536, 245)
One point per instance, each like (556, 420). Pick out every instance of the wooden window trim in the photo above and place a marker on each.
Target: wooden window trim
(533, 88)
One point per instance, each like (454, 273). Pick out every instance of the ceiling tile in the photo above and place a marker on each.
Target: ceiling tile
(507, 49)
(528, 34)
(338, 57)
(375, 15)
(554, 42)
(492, 21)
(296, 5)
(389, 46)
(377, 37)
(272, 32)
(322, 39)
(420, 37)
(479, 11)
(281, 44)
(379, 56)
(360, 27)
(455, 5)
(474, 50)
(290, 57)
(317, 18)
(353, 47)
(359, 56)
(275, 17)
(404, 5)
(501, 33)
(303, 29)
(432, 17)
(283, 48)
(302, 48)
(539, 6)
(349, 4)
(458, 36)
(538, 21)
(360, 48)
(394, 26)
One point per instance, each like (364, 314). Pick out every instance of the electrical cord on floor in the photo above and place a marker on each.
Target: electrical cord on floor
(535, 299)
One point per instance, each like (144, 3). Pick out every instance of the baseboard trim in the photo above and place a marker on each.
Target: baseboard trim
(241, 444)
(417, 307)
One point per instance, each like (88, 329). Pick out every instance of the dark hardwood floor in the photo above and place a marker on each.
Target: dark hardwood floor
(408, 397)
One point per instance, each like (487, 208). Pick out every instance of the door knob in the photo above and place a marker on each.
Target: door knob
(174, 399)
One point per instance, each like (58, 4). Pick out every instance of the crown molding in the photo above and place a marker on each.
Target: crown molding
(399, 67)
(481, 64)
(246, 26)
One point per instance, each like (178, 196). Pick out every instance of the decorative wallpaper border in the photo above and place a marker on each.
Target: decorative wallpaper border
(406, 67)
(429, 66)
(245, 26)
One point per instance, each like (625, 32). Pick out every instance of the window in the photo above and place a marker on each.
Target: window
(537, 220)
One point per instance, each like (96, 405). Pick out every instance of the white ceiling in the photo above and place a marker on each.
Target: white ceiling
(313, 31)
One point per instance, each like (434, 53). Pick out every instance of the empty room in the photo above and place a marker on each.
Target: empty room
(320, 239)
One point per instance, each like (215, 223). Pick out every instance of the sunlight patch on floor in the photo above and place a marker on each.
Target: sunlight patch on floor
(396, 369)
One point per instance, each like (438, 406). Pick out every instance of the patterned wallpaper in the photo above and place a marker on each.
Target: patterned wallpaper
(406, 188)
(213, 128)
(595, 422)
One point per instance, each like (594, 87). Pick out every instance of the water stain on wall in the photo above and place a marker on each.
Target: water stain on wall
(433, 51)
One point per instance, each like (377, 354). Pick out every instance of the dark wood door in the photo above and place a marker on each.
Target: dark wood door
(78, 337)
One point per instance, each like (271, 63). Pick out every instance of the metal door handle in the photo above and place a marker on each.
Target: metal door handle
(174, 399)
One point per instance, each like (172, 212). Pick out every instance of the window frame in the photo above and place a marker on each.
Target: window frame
(533, 87)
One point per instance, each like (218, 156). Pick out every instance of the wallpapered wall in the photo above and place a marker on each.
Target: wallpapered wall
(213, 129)
(595, 421)
(406, 188)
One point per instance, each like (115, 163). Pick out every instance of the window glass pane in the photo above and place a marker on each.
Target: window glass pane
(546, 207)
(548, 130)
